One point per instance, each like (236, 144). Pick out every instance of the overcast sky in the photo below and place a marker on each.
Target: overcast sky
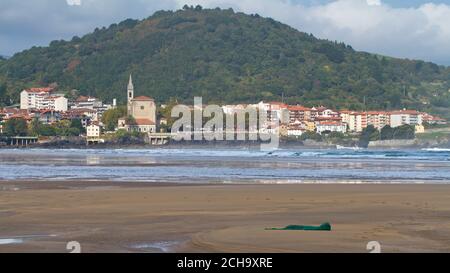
(417, 29)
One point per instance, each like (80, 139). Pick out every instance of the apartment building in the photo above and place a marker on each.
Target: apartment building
(42, 99)
(378, 119)
(356, 121)
(405, 117)
(299, 113)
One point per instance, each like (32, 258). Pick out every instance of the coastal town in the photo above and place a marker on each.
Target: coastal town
(224, 135)
(48, 106)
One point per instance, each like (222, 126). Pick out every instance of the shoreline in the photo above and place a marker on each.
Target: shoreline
(222, 146)
(222, 167)
(223, 218)
(83, 184)
(284, 144)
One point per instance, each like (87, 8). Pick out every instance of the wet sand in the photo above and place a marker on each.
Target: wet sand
(136, 217)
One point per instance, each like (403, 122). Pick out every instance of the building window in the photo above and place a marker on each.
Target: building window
(142, 107)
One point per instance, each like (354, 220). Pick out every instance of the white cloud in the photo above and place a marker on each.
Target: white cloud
(421, 32)
(374, 2)
(74, 2)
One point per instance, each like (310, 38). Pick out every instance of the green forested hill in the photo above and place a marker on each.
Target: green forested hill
(227, 57)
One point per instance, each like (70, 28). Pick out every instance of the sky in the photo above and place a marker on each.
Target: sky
(414, 29)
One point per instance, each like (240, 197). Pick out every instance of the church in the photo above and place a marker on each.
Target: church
(141, 113)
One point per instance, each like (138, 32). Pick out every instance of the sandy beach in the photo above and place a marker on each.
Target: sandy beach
(136, 217)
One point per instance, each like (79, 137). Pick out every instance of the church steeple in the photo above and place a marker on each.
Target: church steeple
(130, 89)
(130, 94)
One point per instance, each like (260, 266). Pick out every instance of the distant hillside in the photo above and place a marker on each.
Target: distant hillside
(227, 57)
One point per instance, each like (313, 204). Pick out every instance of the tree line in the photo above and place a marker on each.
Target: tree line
(20, 127)
(386, 133)
(225, 57)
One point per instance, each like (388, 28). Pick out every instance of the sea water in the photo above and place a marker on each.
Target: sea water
(228, 165)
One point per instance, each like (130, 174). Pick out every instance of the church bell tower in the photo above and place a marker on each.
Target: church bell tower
(130, 96)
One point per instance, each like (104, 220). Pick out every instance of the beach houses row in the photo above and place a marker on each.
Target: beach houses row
(297, 119)
(49, 106)
(53, 106)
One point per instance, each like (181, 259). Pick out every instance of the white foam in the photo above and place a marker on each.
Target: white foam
(164, 246)
(10, 241)
(436, 150)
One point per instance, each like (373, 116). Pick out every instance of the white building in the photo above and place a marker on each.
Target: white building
(42, 99)
(30, 98)
(378, 119)
(331, 126)
(295, 131)
(90, 114)
(93, 131)
(233, 109)
(57, 103)
(277, 113)
(92, 103)
(142, 109)
(356, 121)
(406, 117)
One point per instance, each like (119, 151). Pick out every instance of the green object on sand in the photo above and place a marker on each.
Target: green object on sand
(322, 227)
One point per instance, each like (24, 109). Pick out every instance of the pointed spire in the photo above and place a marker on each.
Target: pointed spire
(130, 90)
(130, 83)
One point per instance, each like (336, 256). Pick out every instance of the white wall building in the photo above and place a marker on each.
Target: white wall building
(356, 121)
(93, 131)
(406, 117)
(57, 104)
(92, 103)
(295, 131)
(31, 98)
(42, 99)
(331, 126)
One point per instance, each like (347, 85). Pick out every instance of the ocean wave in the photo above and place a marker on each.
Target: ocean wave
(10, 241)
(342, 152)
(436, 150)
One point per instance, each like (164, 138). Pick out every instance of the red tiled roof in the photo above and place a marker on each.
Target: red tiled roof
(82, 99)
(20, 116)
(13, 111)
(330, 123)
(48, 111)
(352, 112)
(406, 112)
(40, 90)
(143, 98)
(298, 108)
(96, 123)
(328, 118)
(377, 113)
(358, 113)
(143, 122)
